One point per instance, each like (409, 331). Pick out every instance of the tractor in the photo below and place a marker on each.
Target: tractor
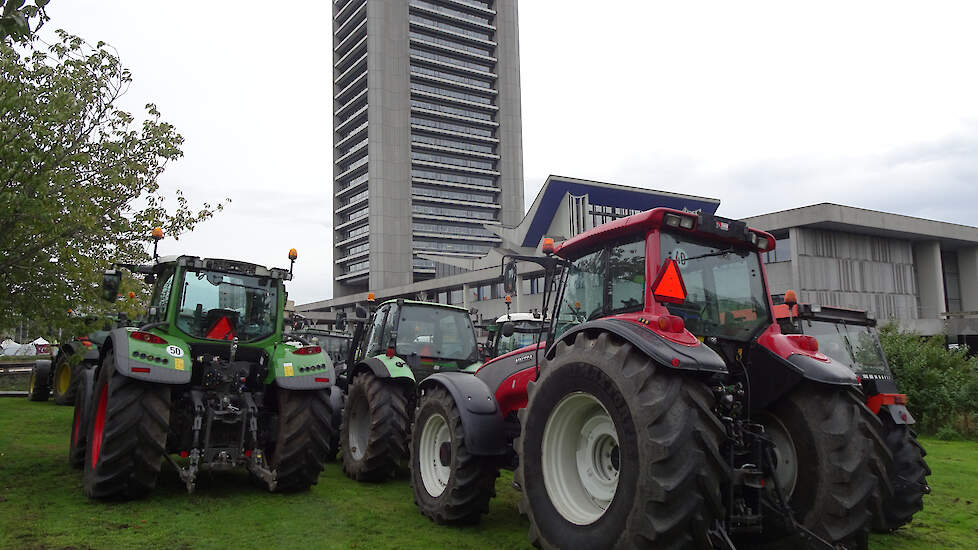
(513, 331)
(207, 378)
(403, 343)
(849, 337)
(665, 408)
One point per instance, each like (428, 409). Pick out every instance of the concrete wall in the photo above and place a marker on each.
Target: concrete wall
(856, 271)
(510, 116)
(930, 278)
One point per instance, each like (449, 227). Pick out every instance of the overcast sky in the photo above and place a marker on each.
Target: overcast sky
(764, 105)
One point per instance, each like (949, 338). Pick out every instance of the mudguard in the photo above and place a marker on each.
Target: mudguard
(482, 422)
(168, 363)
(899, 413)
(91, 352)
(698, 358)
(772, 376)
(384, 367)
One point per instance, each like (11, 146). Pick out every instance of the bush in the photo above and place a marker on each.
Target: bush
(941, 384)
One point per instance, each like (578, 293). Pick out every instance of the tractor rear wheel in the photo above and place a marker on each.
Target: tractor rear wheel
(450, 484)
(336, 405)
(823, 437)
(63, 383)
(907, 477)
(39, 383)
(305, 427)
(618, 451)
(375, 428)
(78, 443)
(126, 435)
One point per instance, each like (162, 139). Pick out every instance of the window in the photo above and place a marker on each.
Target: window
(781, 252)
(376, 328)
(161, 296)
(222, 306)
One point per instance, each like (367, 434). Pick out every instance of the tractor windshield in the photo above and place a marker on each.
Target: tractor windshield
(725, 295)
(436, 332)
(221, 306)
(852, 345)
(524, 334)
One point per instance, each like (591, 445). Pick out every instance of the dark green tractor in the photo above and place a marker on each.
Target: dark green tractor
(206, 383)
(401, 344)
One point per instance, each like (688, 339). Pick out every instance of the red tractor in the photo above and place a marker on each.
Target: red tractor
(849, 337)
(664, 409)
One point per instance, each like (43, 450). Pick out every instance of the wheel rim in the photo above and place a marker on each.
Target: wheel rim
(30, 383)
(581, 459)
(63, 379)
(99, 428)
(359, 427)
(435, 463)
(785, 455)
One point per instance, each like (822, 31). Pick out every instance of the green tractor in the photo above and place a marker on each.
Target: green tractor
(403, 343)
(58, 378)
(208, 378)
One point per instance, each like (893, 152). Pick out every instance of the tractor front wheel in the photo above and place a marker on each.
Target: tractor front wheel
(305, 427)
(907, 476)
(78, 443)
(618, 451)
(375, 428)
(126, 434)
(64, 387)
(823, 439)
(450, 484)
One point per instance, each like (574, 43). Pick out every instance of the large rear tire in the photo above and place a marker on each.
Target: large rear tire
(78, 443)
(450, 484)
(618, 451)
(39, 383)
(126, 435)
(375, 428)
(305, 427)
(907, 478)
(823, 438)
(63, 385)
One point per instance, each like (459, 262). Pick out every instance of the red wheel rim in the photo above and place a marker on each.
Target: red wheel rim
(99, 423)
(74, 429)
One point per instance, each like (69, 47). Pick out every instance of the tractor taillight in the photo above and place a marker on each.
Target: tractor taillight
(322, 379)
(147, 337)
(900, 399)
(390, 352)
(805, 342)
(671, 323)
(308, 350)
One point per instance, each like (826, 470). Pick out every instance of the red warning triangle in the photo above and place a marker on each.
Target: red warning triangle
(669, 286)
(221, 330)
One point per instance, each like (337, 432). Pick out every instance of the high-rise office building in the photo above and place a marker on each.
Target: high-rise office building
(426, 132)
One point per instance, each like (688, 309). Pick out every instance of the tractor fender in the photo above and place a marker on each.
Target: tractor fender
(71, 348)
(481, 419)
(176, 370)
(384, 367)
(773, 376)
(43, 372)
(899, 413)
(696, 358)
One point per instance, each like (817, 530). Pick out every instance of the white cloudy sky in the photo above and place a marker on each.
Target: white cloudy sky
(764, 105)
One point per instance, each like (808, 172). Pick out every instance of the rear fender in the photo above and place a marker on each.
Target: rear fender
(772, 376)
(696, 357)
(168, 363)
(481, 419)
(385, 367)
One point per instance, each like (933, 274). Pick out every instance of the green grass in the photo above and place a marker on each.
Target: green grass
(42, 506)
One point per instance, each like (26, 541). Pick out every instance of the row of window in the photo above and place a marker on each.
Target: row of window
(450, 247)
(347, 167)
(362, 230)
(483, 19)
(464, 31)
(358, 266)
(355, 181)
(453, 212)
(485, 181)
(419, 69)
(358, 249)
(452, 229)
(455, 195)
(484, 66)
(471, 113)
(781, 253)
(451, 126)
(356, 197)
(420, 34)
(453, 160)
(358, 214)
(452, 143)
(448, 92)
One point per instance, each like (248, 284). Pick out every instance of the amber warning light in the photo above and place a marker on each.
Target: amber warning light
(669, 286)
(547, 247)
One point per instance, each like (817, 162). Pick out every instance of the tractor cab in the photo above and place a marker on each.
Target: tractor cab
(513, 331)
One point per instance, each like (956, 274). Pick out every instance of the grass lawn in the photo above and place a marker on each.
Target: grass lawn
(42, 506)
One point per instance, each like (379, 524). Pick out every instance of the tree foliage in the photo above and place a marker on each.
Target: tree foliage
(941, 384)
(78, 178)
(17, 16)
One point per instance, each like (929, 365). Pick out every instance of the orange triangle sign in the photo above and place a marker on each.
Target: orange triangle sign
(669, 286)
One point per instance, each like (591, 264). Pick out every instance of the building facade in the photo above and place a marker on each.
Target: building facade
(427, 135)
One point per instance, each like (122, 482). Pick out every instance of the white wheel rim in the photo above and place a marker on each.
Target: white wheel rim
(785, 455)
(580, 458)
(434, 474)
(359, 432)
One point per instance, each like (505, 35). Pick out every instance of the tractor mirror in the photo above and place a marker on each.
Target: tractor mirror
(111, 280)
(150, 279)
(360, 312)
(509, 278)
(508, 329)
(340, 323)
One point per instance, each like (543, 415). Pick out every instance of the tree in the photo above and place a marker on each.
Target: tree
(78, 178)
(16, 18)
